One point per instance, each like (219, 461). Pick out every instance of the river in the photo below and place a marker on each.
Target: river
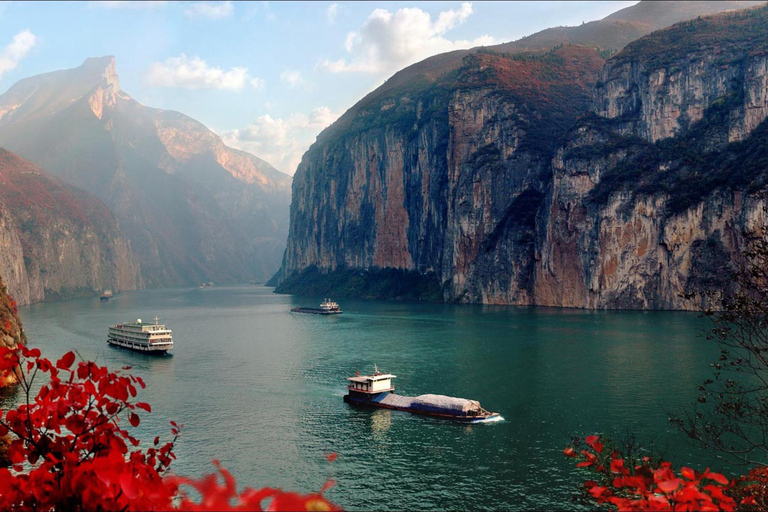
(260, 389)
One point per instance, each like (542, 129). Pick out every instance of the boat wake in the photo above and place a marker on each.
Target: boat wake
(490, 420)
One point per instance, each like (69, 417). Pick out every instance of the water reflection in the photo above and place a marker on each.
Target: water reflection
(381, 422)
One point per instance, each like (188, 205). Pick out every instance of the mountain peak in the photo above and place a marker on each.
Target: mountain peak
(103, 67)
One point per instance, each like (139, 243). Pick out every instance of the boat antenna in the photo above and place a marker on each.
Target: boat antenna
(375, 369)
(156, 320)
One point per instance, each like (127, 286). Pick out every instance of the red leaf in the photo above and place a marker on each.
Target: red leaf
(134, 419)
(670, 485)
(717, 477)
(570, 452)
(143, 405)
(331, 456)
(688, 473)
(590, 440)
(66, 361)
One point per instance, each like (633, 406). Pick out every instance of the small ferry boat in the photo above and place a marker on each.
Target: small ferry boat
(106, 296)
(377, 390)
(152, 338)
(327, 307)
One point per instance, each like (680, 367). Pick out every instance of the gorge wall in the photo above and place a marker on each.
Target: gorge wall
(57, 241)
(483, 179)
(654, 193)
(433, 180)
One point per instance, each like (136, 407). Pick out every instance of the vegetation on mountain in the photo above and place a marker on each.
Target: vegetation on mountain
(688, 167)
(737, 33)
(371, 283)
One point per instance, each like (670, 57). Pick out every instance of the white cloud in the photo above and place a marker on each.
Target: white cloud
(124, 4)
(210, 10)
(281, 142)
(15, 52)
(195, 73)
(292, 78)
(331, 12)
(390, 41)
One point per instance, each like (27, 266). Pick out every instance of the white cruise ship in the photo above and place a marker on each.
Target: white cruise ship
(154, 338)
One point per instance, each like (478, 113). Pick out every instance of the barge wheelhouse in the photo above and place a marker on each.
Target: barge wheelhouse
(152, 338)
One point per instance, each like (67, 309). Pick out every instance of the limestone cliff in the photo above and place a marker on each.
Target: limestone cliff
(57, 241)
(193, 209)
(436, 179)
(653, 195)
(483, 177)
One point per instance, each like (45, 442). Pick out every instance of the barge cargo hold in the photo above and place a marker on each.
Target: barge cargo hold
(327, 307)
(377, 391)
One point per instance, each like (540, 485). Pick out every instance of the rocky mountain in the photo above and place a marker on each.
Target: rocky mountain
(431, 181)
(478, 184)
(193, 209)
(654, 193)
(11, 331)
(58, 241)
(609, 35)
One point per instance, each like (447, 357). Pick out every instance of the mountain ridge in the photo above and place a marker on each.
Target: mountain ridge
(194, 209)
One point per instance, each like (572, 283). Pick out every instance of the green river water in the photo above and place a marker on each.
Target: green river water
(260, 389)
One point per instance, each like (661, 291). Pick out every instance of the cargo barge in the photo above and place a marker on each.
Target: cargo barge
(377, 390)
(327, 307)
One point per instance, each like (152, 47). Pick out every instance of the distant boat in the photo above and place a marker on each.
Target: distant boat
(377, 390)
(327, 307)
(153, 338)
(106, 296)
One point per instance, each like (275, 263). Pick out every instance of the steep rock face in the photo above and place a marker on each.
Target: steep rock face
(58, 241)
(652, 196)
(648, 197)
(432, 180)
(11, 331)
(193, 209)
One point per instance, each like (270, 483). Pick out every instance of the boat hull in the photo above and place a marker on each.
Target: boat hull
(376, 401)
(316, 311)
(139, 348)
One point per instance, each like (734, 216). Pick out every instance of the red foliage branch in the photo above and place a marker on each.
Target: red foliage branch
(68, 450)
(648, 484)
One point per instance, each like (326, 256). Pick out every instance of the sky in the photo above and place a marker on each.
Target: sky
(266, 76)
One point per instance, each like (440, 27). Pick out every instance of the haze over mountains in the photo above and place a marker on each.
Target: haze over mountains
(468, 177)
(192, 208)
(57, 240)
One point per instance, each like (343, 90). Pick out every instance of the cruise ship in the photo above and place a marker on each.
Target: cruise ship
(152, 338)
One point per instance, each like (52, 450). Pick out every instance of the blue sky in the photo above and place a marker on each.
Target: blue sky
(266, 76)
